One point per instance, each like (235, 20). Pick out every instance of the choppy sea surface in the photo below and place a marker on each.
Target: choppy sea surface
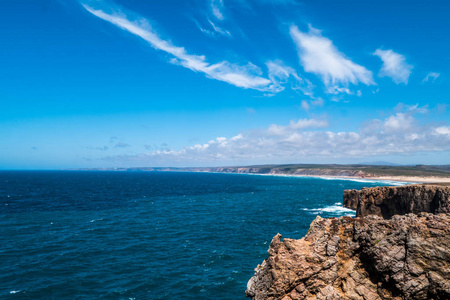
(149, 235)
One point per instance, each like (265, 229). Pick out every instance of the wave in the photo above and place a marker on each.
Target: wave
(355, 179)
(385, 182)
(335, 209)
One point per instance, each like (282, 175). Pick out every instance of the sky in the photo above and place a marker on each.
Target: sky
(169, 83)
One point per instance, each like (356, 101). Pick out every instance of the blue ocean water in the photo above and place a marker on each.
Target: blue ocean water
(149, 235)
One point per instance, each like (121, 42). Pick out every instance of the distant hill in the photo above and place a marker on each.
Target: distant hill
(352, 170)
(379, 163)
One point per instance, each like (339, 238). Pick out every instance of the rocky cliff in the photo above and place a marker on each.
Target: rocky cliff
(288, 171)
(390, 201)
(370, 257)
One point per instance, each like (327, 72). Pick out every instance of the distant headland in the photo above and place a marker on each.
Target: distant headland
(439, 174)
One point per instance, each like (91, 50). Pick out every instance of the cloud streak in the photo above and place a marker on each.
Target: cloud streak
(214, 31)
(217, 8)
(394, 66)
(280, 75)
(247, 76)
(319, 56)
(432, 76)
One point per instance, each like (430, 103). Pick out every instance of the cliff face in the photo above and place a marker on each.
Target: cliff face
(389, 201)
(406, 257)
(403, 257)
(287, 171)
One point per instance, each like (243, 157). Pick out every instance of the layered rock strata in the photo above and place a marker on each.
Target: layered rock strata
(389, 201)
(403, 257)
(287, 171)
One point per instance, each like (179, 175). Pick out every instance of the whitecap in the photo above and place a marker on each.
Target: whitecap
(336, 209)
(14, 292)
(378, 181)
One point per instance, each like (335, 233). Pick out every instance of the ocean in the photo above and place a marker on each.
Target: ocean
(149, 235)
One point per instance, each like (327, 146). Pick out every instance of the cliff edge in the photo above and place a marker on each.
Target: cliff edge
(369, 257)
(389, 201)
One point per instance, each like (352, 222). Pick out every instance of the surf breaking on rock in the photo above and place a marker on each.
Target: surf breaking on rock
(401, 255)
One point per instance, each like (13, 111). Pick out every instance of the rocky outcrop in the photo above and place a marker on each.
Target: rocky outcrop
(406, 257)
(390, 201)
(402, 254)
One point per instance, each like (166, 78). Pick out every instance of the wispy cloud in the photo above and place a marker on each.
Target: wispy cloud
(244, 76)
(394, 66)
(203, 29)
(306, 105)
(219, 30)
(280, 75)
(318, 55)
(217, 9)
(411, 109)
(122, 145)
(432, 76)
(308, 139)
(294, 126)
(214, 30)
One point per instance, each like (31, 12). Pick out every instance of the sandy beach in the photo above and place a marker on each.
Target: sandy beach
(399, 179)
(412, 179)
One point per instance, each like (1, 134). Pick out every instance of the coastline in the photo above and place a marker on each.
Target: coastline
(398, 180)
(415, 179)
(394, 175)
(395, 181)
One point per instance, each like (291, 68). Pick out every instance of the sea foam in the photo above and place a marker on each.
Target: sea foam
(336, 209)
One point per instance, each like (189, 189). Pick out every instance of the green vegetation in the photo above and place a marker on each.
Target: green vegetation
(375, 170)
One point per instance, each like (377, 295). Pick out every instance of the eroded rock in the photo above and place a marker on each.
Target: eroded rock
(405, 257)
(389, 201)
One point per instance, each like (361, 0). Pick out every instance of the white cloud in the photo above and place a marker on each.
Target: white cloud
(307, 139)
(217, 8)
(214, 30)
(306, 105)
(219, 30)
(394, 66)
(204, 30)
(318, 55)
(335, 90)
(293, 126)
(400, 122)
(280, 75)
(244, 76)
(247, 76)
(432, 76)
(444, 130)
(411, 109)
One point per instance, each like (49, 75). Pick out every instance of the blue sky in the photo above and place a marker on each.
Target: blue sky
(223, 82)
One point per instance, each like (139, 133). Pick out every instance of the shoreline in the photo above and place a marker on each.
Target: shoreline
(402, 180)
(415, 179)
(360, 176)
